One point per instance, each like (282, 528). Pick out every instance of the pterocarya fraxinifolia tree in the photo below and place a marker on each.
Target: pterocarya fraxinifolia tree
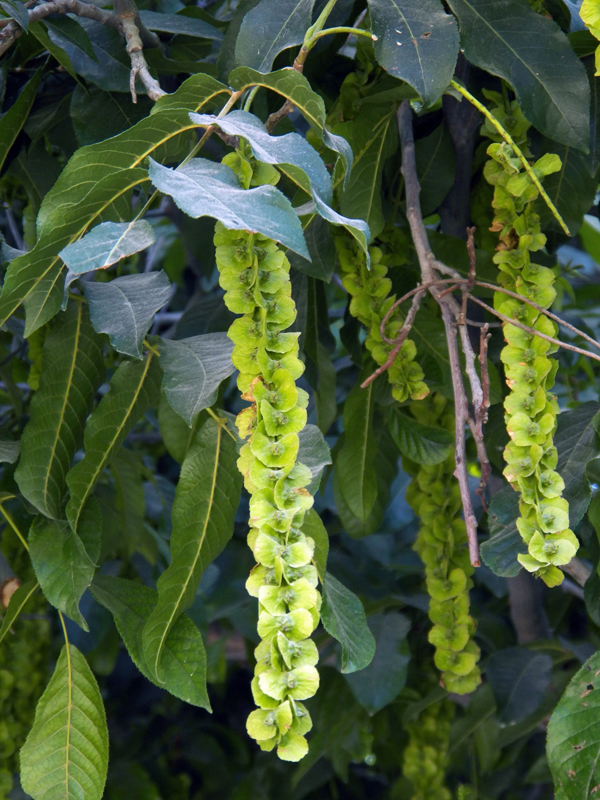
(299, 399)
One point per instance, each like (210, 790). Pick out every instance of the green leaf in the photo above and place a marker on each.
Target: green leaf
(572, 189)
(107, 244)
(373, 136)
(313, 527)
(423, 444)
(289, 83)
(38, 29)
(18, 11)
(416, 42)
(124, 308)
(269, 28)
(320, 247)
(70, 29)
(65, 755)
(202, 188)
(500, 551)
(72, 371)
(573, 743)
(98, 115)
(110, 67)
(133, 390)
(288, 149)
(343, 617)
(183, 659)
(174, 430)
(193, 370)
(577, 444)
(17, 603)
(355, 463)
(548, 79)
(178, 23)
(62, 564)
(519, 679)
(95, 177)
(435, 168)
(9, 451)
(357, 227)
(14, 119)
(206, 500)
(593, 158)
(378, 684)
(314, 453)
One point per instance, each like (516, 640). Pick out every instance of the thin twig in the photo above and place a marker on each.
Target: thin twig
(12, 30)
(430, 268)
(579, 571)
(541, 309)
(127, 13)
(533, 332)
(405, 330)
(288, 106)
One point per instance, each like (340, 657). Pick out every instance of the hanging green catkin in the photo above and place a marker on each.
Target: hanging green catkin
(371, 300)
(530, 407)
(442, 545)
(425, 757)
(255, 275)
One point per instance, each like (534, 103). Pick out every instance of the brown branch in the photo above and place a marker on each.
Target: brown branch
(579, 571)
(11, 31)
(405, 330)
(288, 106)
(451, 315)
(127, 13)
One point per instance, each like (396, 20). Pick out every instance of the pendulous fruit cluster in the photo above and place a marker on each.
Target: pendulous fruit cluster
(370, 290)
(531, 408)
(255, 275)
(426, 755)
(434, 496)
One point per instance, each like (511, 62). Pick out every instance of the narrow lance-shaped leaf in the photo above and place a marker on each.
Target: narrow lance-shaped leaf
(18, 11)
(548, 78)
(179, 23)
(72, 371)
(184, 657)
(14, 119)
(206, 500)
(133, 389)
(65, 756)
(269, 28)
(204, 189)
(18, 601)
(355, 462)
(416, 42)
(95, 177)
(343, 617)
(107, 244)
(124, 308)
(193, 370)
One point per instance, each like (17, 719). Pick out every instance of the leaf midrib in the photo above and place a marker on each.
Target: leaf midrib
(185, 584)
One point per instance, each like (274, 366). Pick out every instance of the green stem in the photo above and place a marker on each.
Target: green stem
(250, 98)
(11, 522)
(221, 422)
(339, 29)
(319, 24)
(64, 627)
(509, 140)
